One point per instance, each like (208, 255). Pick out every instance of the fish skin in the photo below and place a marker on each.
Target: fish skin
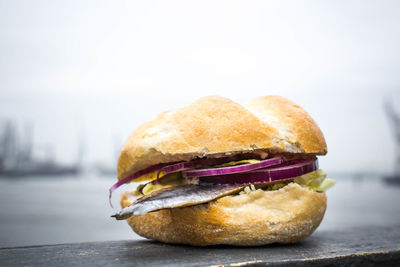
(175, 197)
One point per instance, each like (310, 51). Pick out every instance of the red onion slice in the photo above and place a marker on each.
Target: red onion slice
(234, 169)
(132, 177)
(166, 169)
(285, 171)
(181, 166)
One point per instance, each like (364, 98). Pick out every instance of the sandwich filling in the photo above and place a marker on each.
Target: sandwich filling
(200, 181)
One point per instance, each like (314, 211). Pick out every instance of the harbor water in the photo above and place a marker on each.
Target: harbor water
(38, 211)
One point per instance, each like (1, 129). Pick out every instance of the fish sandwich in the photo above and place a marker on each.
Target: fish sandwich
(217, 172)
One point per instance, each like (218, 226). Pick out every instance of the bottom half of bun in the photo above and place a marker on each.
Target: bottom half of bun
(259, 217)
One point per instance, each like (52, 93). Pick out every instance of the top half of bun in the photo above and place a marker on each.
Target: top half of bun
(216, 126)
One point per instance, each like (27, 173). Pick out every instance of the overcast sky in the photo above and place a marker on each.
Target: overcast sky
(98, 69)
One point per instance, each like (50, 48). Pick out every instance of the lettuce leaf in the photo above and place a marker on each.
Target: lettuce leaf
(315, 181)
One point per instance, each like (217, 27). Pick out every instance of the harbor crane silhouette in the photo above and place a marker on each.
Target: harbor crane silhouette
(394, 119)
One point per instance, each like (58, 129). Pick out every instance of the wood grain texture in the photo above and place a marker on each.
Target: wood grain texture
(357, 247)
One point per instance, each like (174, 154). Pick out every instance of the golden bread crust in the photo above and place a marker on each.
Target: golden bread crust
(216, 126)
(295, 125)
(287, 215)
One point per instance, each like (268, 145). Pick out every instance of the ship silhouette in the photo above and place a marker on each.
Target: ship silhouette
(16, 157)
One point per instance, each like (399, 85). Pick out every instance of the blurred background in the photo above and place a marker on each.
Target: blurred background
(76, 77)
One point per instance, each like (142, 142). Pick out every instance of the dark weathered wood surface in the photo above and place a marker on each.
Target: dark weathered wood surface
(357, 246)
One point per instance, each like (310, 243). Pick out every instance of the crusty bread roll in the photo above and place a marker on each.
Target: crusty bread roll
(287, 215)
(215, 127)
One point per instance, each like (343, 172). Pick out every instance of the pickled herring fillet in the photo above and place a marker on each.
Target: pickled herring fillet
(176, 197)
